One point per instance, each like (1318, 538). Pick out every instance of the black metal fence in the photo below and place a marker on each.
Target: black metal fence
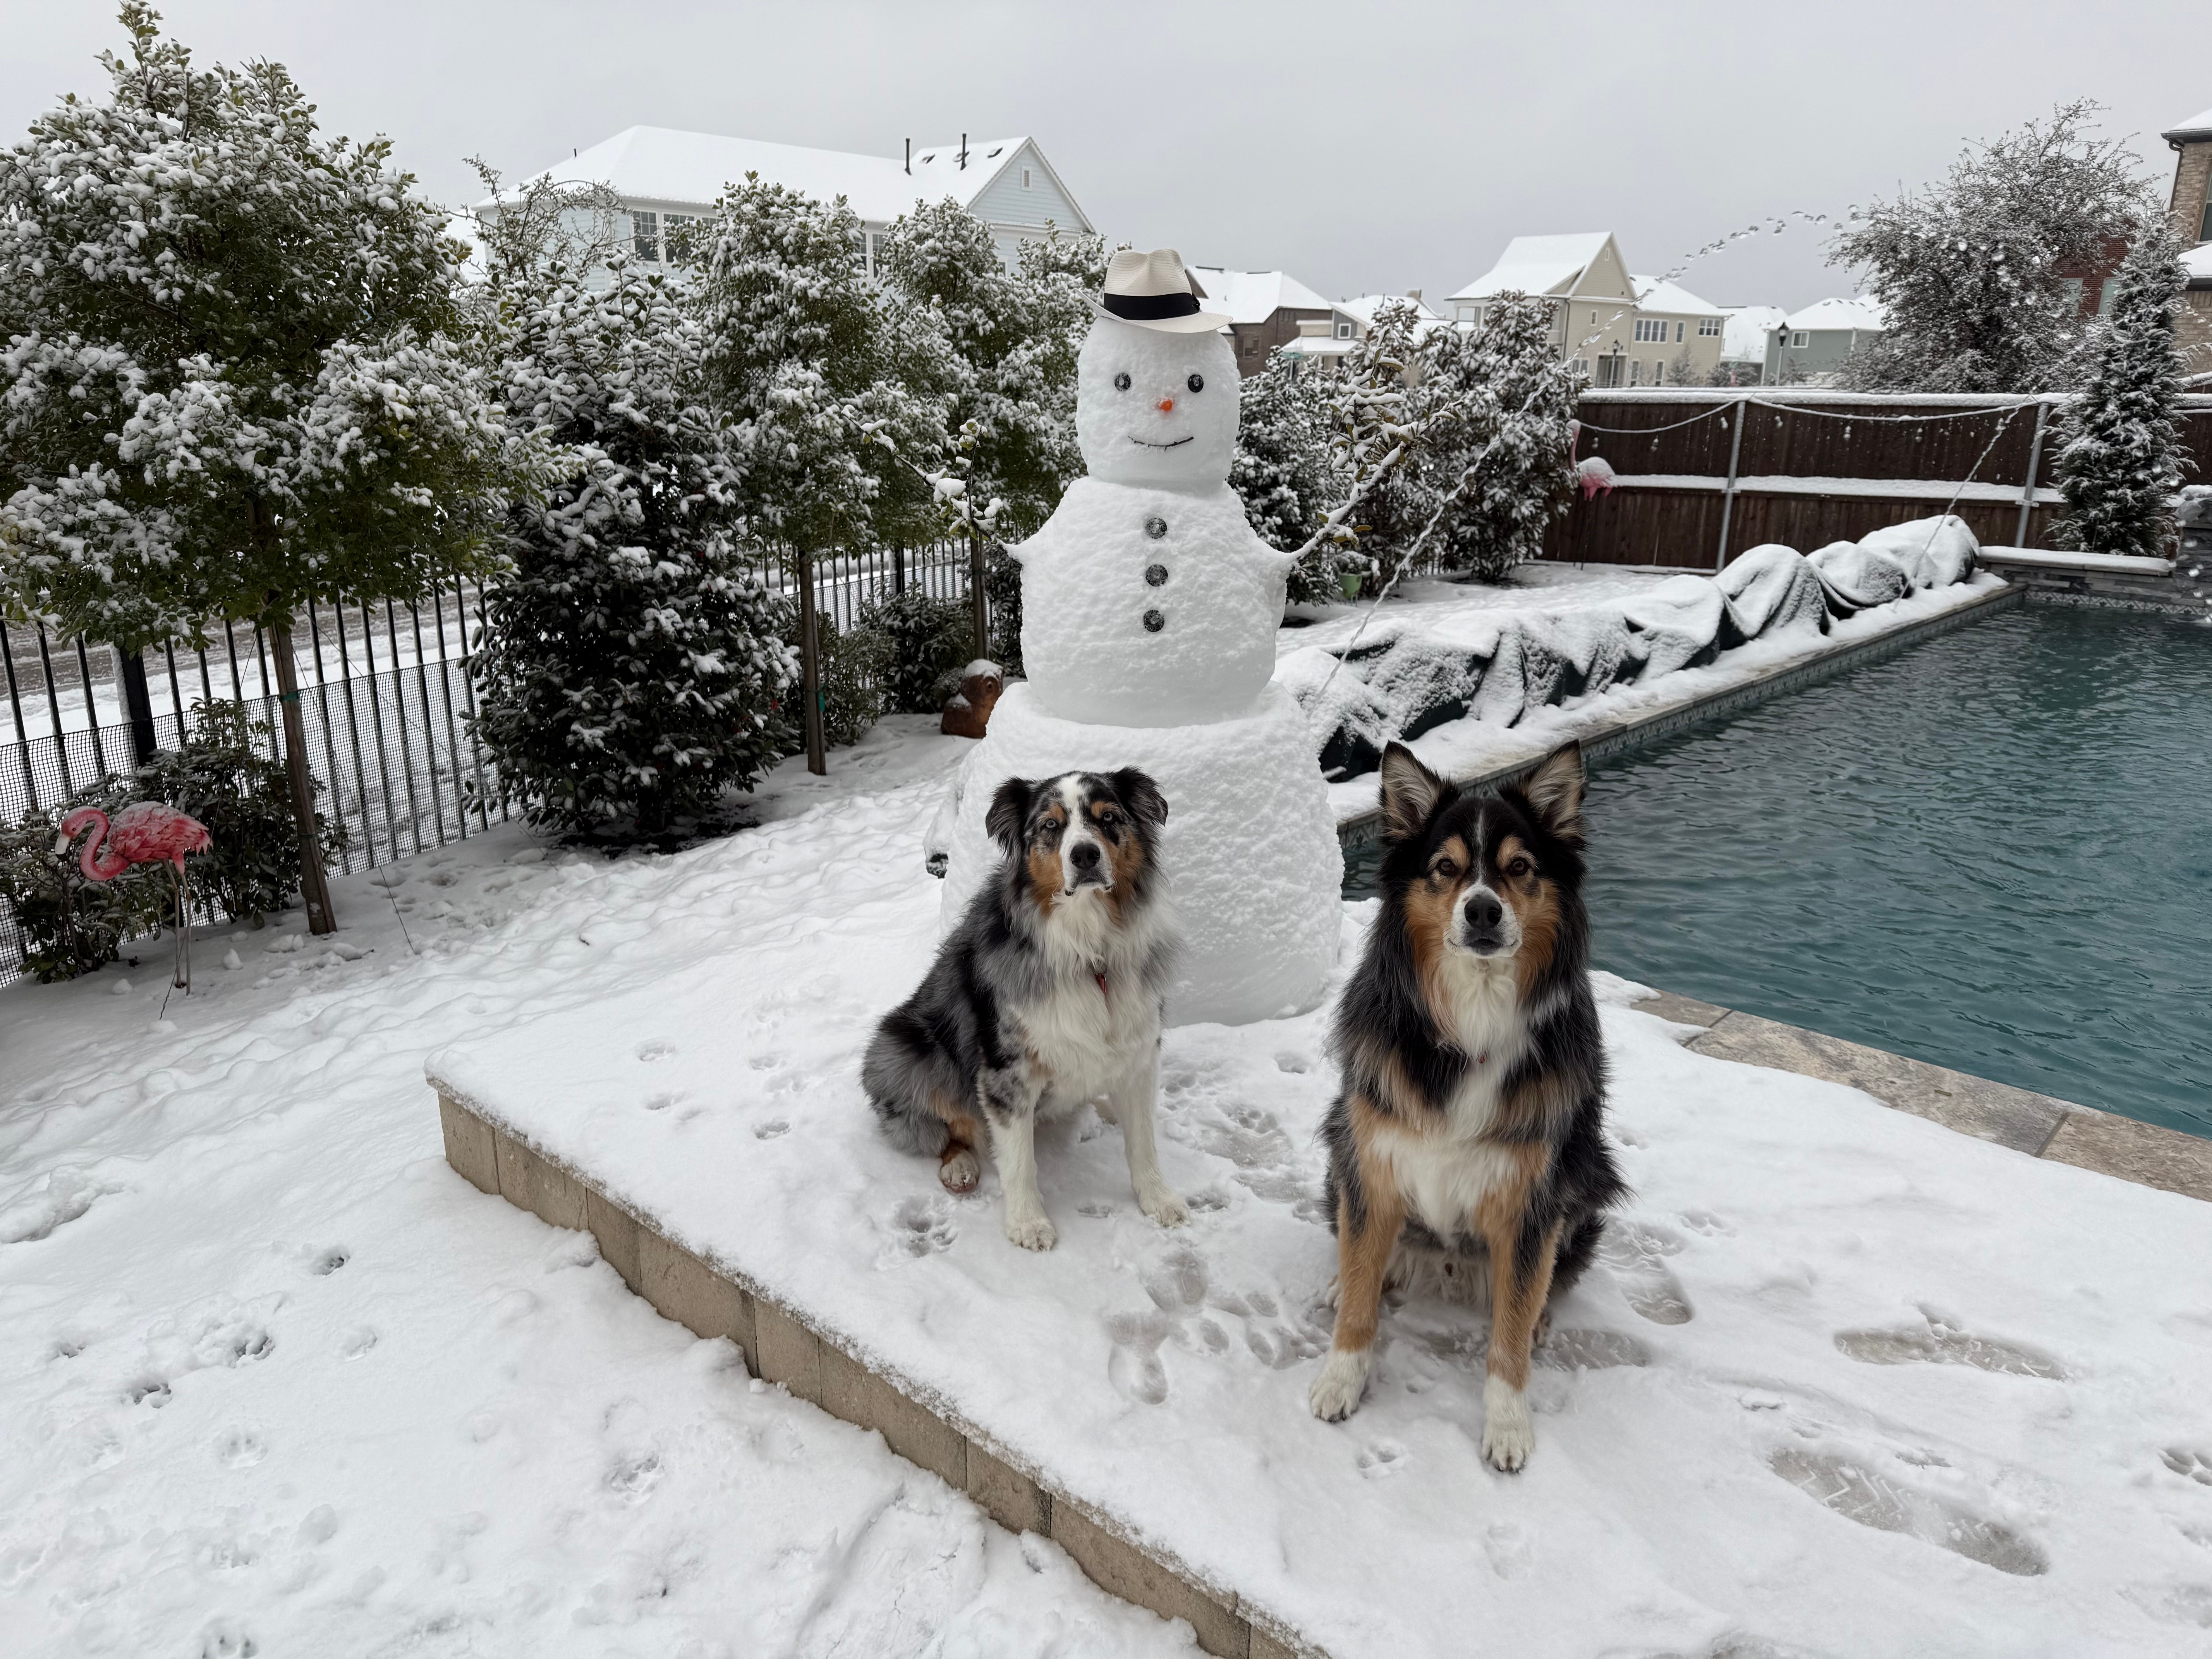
(387, 695)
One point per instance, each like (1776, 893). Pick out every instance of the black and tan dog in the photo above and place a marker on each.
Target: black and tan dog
(1467, 1143)
(1048, 996)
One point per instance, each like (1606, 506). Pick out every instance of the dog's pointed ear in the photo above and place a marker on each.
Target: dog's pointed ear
(1410, 792)
(1140, 795)
(1555, 790)
(1010, 813)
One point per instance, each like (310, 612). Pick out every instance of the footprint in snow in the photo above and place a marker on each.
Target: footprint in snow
(2174, 1604)
(1941, 1343)
(1381, 1459)
(240, 1448)
(654, 1050)
(1866, 1495)
(1175, 1279)
(923, 1226)
(2184, 1460)
(771, 1129)
(1134, 1366)
(1636, 1253)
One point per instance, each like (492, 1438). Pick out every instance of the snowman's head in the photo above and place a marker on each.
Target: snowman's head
(1155, 408)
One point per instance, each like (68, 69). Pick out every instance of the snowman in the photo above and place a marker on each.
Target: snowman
(1149, 614)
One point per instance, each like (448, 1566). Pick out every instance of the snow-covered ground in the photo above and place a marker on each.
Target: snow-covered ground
(273, 1379)
(1845, 1382)
(271, 1375)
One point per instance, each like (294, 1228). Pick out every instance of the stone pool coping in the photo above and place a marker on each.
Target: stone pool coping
(2040, 1126)
(782, 1344)
(1602, 734)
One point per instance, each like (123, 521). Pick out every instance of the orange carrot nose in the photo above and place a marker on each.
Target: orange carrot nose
(1166, 405)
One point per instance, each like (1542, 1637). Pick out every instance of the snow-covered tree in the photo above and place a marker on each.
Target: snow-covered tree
(836, 398)
(632, 663)
(1280, 472)
(1012, 338)
(236, 377)
(1381, 409)
(1968, 269)
(2120, 452)
(1514, 430)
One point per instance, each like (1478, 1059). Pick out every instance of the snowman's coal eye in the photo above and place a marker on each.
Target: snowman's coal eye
(1121, 382)
(1196, 383)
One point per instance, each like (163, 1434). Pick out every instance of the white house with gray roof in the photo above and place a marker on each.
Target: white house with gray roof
(665, 179)
(1620, 329)
(1809, 346)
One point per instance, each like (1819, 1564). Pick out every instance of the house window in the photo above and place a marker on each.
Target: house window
(1581, 366)
(1708, 327)
(1678, 334)
(645, 234)
(1025, 177)
(1798, 340)
(2205, 230)
(2071, 288)
(1343, 331)
(671, 225)
(1635, 373)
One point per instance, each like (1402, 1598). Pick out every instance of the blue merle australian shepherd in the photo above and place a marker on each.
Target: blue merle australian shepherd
(1466, 1146)
(1047, 995)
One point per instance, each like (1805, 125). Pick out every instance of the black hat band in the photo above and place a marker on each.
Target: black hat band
(1150, 308)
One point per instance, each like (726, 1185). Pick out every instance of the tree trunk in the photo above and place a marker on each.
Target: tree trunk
(979, 601)
(809, 669)
(137, 703)
(314, 889)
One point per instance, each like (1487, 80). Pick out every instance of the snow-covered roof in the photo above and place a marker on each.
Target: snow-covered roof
(1538, 265)
(1863, 315)
(1253, 296)
(658, 164)
(2197, 262)
(2199, 125)
(1363, 309)
(1657, 294)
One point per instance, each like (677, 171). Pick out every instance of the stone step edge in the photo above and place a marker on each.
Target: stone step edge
(781, 1345)
(2041, 1125)
(1608, 736)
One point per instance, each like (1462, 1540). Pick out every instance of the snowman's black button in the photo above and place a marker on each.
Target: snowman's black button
(1155, 621)
(1156, 526)
(1155, 576)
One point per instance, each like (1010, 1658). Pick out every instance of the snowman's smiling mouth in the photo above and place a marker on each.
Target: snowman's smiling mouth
(1172, 444)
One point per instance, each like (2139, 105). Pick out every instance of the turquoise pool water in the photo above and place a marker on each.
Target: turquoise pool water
(1993, 852)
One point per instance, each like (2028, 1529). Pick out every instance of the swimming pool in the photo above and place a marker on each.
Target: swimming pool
(1993, 852)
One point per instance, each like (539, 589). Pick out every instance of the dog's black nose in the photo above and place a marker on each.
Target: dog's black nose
(1083, 855)
(1484, 913)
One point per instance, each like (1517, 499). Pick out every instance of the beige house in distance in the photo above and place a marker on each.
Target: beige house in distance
(1618, 328)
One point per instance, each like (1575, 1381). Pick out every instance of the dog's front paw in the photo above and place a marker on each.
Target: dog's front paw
(1508, 1436)
(1032, 1229)
(1335, 1393)
(1163, 1206)
(960, 1170)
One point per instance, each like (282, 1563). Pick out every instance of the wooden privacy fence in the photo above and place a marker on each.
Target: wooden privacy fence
(1702, 476)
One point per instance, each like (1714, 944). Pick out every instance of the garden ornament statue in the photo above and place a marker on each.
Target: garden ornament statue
(144, 832)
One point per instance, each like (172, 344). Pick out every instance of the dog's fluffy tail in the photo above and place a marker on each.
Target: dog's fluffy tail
(891, 1073)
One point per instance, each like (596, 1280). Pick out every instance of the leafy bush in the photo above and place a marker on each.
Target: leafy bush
(853, 665)
(1002, 588)
(925, 642)
(226, 777)
(70, 924)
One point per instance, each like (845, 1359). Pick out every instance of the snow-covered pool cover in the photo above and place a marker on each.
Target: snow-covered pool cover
(1848, 1384)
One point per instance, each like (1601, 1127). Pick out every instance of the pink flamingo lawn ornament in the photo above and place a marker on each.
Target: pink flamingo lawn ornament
(144, 832)
(1596, 476)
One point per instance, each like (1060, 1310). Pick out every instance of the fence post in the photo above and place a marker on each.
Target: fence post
(979, 603)
(137, 703)
(2035, 462)
(314, 888)
(1728, 495)
(809, 669)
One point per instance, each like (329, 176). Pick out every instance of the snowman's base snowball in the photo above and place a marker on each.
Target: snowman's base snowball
(1249, 848)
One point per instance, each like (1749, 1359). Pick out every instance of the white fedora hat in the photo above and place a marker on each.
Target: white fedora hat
(1151, 290)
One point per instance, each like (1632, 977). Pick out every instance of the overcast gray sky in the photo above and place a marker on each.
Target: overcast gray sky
(1364, 147)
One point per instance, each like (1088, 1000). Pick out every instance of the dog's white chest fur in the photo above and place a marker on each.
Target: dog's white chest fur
(1445, 1170)
(1087, 1035)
